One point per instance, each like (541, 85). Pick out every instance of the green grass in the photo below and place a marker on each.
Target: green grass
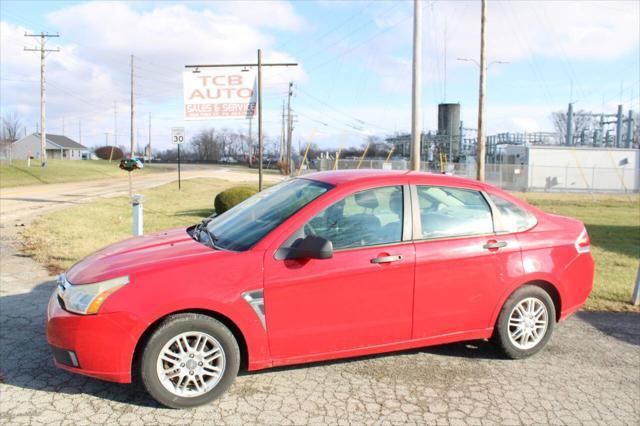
(58, 171)
(613, 224)
(63, 237)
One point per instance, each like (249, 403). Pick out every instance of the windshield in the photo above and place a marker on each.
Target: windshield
(239, 228)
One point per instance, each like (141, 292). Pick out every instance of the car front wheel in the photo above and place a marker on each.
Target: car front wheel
(525, 323)
(190, 360)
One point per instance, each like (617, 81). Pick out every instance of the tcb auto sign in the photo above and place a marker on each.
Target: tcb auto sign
(219, 93)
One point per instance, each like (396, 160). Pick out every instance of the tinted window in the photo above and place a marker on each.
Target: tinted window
(514, 218)
(452, 212)
(365, 218)
(242, 226)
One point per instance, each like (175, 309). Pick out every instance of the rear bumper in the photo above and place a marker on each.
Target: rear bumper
(577, 282)
(102, 344)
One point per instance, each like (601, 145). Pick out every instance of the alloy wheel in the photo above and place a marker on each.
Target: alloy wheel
(528, 323)
(191, 364)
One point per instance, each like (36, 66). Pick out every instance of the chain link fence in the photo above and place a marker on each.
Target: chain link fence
(514, 177)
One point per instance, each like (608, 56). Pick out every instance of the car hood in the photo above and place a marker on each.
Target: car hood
(137, 254)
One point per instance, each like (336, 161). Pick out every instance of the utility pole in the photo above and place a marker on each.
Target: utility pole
(416, 113)
(482, 89)
(115, 123)
(80, 131)
(63, 125)
(260, 120)
(289, 129)
(132, 127)
(282, 136)
(250, 142)
(132, 111)
(445, 60)
(149, 159)
(43, 113)
(259, 64)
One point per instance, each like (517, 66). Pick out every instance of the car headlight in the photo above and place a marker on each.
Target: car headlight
(86, 299)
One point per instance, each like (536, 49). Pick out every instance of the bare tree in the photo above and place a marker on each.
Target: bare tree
(10, 128)
(582, 121)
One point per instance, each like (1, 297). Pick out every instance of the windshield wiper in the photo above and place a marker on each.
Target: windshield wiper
(202, 227)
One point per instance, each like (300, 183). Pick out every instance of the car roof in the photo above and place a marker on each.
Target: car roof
(342, 177)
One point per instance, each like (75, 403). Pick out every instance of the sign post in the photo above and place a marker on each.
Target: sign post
(177, 137)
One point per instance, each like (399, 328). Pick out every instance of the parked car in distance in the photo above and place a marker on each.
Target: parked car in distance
(326, 266)
(228, 160)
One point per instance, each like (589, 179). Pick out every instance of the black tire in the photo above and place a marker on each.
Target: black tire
(173, 326)
(501, 335)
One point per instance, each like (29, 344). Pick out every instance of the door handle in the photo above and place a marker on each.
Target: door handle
(386, 259)
(494, 245)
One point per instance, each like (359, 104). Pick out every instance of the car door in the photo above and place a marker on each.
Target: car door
(462, 265)
(360, 297)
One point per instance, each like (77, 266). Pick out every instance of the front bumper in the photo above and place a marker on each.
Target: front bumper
(102, 344)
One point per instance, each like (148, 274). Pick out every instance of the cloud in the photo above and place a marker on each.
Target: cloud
(92, 69)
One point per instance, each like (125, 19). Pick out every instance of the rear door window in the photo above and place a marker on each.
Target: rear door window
(453, 212)
(513, 218)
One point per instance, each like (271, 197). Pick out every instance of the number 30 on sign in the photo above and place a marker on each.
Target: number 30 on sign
(177, 135)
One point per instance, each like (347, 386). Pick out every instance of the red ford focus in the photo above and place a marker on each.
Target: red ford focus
(332, 265)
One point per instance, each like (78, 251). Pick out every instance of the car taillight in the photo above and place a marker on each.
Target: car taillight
(583, 243)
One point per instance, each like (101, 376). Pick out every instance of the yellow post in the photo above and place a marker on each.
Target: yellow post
(306, 151)
(364, 154)
(389, 155)
(304, 159)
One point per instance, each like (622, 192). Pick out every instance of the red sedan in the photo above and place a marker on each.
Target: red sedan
(332, 265)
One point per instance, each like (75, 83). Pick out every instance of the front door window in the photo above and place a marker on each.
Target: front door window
(366, 218)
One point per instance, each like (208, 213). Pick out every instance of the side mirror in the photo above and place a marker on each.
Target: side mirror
(309, 247)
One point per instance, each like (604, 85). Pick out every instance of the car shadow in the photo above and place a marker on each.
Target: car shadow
(475, 349)
(624, 326)
(26, 360)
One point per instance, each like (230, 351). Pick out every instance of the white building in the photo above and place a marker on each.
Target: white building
(564, 168)
(57, 146)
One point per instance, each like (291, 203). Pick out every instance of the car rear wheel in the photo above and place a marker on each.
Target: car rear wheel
(526, 322)
(190, 360)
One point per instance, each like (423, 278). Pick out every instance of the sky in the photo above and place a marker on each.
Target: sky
(354, 73)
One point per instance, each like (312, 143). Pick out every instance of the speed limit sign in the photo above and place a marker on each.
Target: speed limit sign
(177, 135)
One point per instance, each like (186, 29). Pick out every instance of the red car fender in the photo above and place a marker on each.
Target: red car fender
(239, 314)
(534, 278)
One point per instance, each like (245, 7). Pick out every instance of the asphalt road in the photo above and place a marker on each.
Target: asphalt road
(589, 374)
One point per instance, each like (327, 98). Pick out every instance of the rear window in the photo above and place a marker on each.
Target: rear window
(514, 218)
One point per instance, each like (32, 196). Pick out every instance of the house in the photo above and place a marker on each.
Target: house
(58, 147)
